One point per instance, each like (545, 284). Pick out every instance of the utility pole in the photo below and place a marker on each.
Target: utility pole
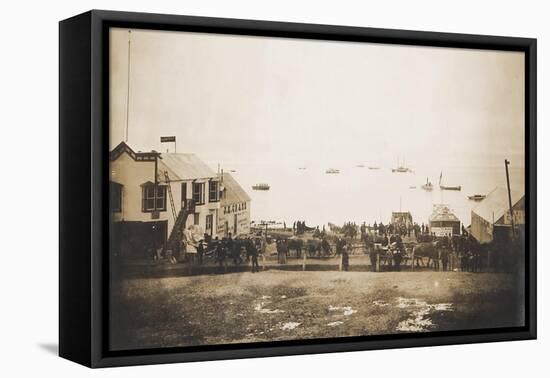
(128, 87)
(506, 163)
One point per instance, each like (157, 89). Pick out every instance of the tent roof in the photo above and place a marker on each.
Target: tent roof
(496, 203)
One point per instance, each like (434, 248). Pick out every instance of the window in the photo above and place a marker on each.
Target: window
(152, 201)
(213, 191)
(183, 194)
(116, 197)
(209, 222)
(198, 193)
(196, 218)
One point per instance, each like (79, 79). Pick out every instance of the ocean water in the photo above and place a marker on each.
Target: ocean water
(361, 194)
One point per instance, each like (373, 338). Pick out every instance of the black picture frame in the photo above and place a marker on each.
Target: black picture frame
(84, 190)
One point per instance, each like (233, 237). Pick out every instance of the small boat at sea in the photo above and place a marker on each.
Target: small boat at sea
(428, 185)
(372, 167)
(401, 168)
(332, 171)
(443, 187)
(446, 187)
(261, 187)
(477, 197)
(233, 171)
(360, 166)
(412, 187)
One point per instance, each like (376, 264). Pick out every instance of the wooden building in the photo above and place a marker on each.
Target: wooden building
(402, 218)
(491, 217)
(154, 196)
(443, 222)
(234, 212)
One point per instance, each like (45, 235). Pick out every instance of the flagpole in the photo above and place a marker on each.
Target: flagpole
(128, 87)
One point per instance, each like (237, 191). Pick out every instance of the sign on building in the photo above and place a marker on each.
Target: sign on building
(519, 217)
(167, 139)
(442, 231)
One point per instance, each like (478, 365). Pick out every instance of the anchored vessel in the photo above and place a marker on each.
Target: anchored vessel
(332, 171)
(401, 168)
(261, 187)
(477, 197)
(428, 185)
(445, 187)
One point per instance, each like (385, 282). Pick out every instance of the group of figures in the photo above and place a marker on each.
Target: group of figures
(386, 251)
(313, 247)
(221, 251)
(456, 252)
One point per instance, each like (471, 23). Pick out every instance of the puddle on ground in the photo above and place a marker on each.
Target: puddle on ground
(419, 320)
(289, 326)
(260, 308)
(347, 310)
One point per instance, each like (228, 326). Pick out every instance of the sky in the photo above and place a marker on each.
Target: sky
(257, 100)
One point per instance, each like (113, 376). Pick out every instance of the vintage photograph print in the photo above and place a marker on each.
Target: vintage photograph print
(271, 189)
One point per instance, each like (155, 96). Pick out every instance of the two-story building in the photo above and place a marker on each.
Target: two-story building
(150, 190)
(234, 212)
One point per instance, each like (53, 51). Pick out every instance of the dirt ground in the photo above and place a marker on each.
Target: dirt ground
(283, 305)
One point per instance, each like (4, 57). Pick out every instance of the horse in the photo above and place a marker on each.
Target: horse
(296, 245)
(429, 250)
(313, 247)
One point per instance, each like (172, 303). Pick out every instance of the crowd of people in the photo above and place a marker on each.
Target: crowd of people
(384, 243)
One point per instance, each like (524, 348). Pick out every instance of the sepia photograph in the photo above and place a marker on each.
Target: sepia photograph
(268, 189)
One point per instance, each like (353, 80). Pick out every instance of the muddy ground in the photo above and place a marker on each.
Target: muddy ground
(282, 305)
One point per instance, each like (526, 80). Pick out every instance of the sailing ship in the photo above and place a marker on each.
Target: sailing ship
(332, 171)
(428, 185)
(477, 197)
(401, 168)
(445, 187)
(261, 186)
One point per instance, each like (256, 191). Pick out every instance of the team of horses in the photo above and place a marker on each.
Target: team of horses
(429, 252)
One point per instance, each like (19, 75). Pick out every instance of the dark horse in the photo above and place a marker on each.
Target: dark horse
(429, 250)
(296, 245)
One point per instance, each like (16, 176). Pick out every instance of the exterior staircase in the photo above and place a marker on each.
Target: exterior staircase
(176, 234)
(188, 207)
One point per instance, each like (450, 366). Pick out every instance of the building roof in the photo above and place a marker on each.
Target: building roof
(496, 204)
(442, 213)
(185, 167)
(234, 193)
(122, 147)
(401, 214)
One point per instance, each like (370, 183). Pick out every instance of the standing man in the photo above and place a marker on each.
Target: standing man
(345, 257)
(191, 244)
(445, 258)
(252, 251)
